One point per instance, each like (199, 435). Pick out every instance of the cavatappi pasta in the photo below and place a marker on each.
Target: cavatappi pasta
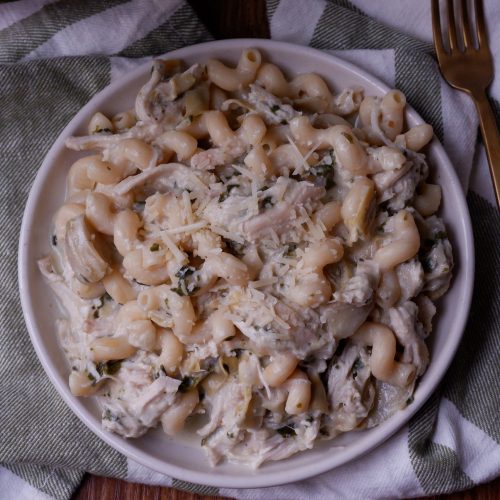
(253, 254)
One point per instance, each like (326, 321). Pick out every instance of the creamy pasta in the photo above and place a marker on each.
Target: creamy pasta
(252, 256)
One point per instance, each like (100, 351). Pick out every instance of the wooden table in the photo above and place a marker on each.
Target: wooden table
(225, 19)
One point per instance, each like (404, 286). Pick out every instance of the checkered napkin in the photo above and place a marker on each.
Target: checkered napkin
(54, 56)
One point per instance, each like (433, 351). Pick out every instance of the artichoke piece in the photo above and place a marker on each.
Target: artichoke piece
(83, 257)
(196, 101)
(359, 208)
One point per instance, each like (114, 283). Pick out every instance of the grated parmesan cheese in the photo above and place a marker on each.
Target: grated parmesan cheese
(179, 256)
(190, 228)
(225, 234)
(188, 211)
(304, 162)
(313, 228)
(263, 282)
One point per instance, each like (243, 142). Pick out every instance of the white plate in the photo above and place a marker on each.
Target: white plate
(182, 458)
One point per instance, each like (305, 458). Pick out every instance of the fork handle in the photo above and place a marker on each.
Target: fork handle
(491, 139)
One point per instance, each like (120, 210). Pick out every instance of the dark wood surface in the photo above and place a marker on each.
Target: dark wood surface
(104, 488)
(226, 19)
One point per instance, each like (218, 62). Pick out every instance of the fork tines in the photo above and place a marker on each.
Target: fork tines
(466, 40)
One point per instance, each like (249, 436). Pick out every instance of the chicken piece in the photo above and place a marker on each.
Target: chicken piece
(94, 141)
(159, 70)
(174, 177)
(136, 400)
(436, 256)
(386, 178)
(426, 312)
(77, 308)
(351, 391)
(82, 247)
(110, 143)
(397, 187)
(352, 302)
(403, 321)
(359, 289)
(347, 102)
(279, 217)
(386, 159)
(411, 279)
(155, 99)
(274, 324)
(262, 446)
(271, 108)
(211, 158)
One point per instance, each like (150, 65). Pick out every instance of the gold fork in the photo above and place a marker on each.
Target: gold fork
(470, 69)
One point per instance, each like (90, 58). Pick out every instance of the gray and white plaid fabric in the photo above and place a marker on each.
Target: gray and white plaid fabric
(54, 56)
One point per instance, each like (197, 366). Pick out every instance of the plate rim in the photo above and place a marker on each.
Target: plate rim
(252, 479)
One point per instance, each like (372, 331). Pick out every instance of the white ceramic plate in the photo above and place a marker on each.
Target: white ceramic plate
(183, 458)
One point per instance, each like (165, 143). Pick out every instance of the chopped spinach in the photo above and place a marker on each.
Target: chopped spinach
(325, 172)
(275, 108)
(428, 264)
(201, 393)
(184, 271)
(234, 247)
(179, 291)
(138, 206)
(436, 238)
(208, 364)
(227, 193)
(290, 250)
(154, 247)
(266, 202)
(357, 366)
(185, 286)
(191, 381)
(385, 206)
(341, 347)
(103, 299)
(322, 170)
(109, 415)
(108, 367)
(287, 431)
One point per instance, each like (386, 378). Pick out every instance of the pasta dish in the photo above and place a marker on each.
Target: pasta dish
(251, 256)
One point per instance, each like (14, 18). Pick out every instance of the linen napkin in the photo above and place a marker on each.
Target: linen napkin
(54, 56)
